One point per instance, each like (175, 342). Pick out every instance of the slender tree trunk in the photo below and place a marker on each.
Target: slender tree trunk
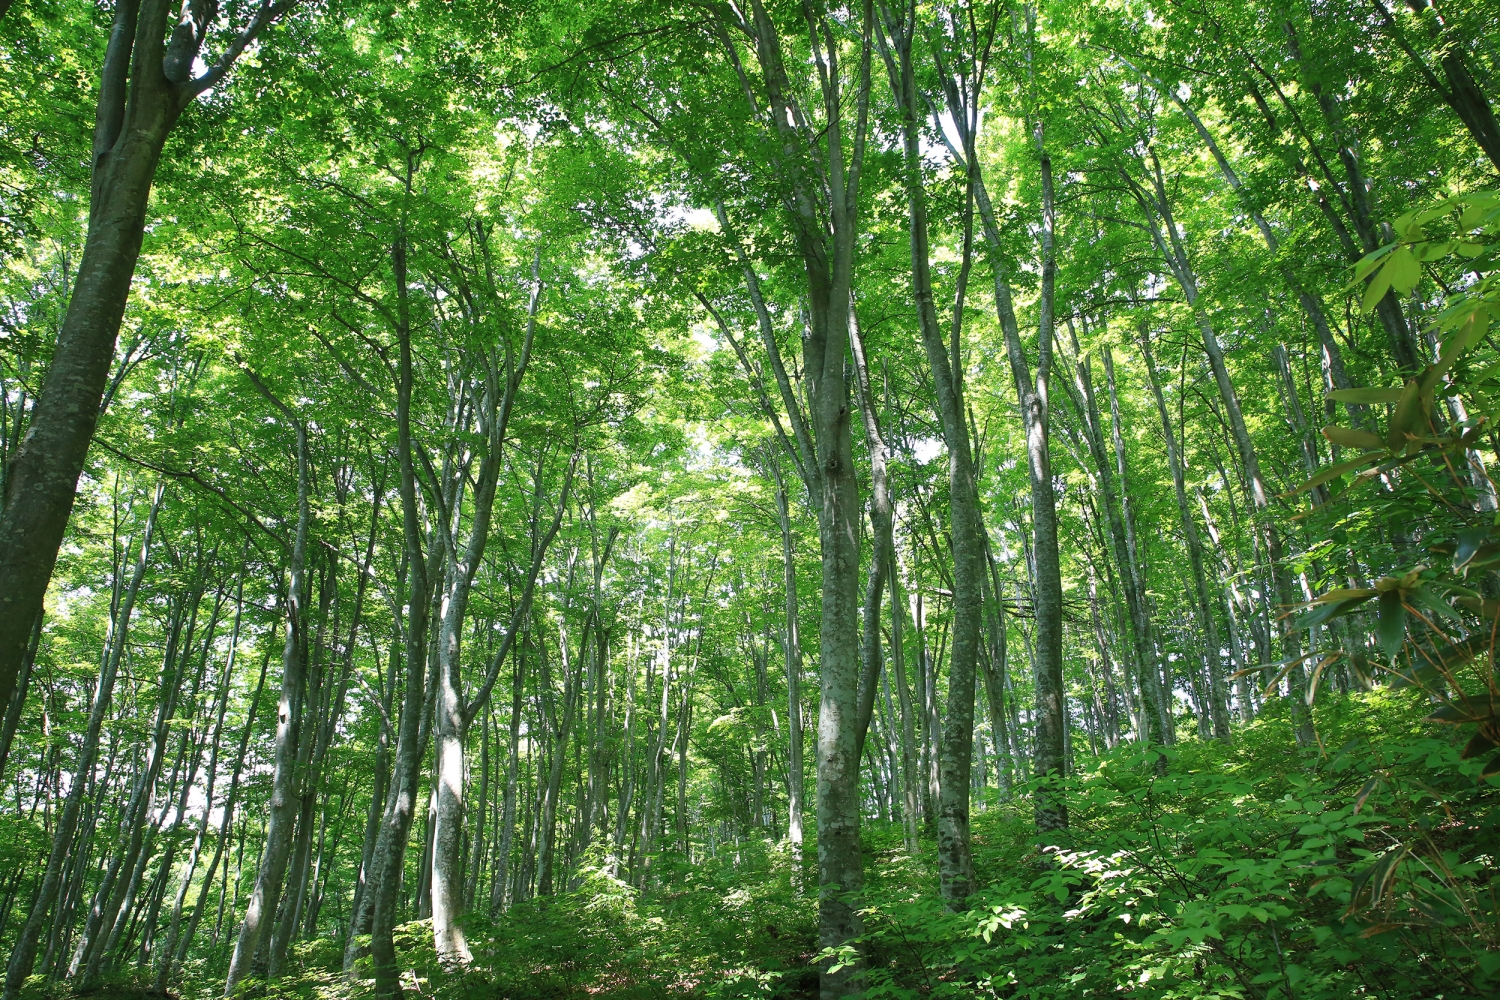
(546, 855)
(226, 824)
(111, 897)
(255, 931)
(1217, 699)
(1158, 713)
(793, 650)
(362, 908)
(1169, 242)
(1114, 504)
(454, 714)
(910, 780)
(512, 777)
(23, 955)
(174, 925)
(955, 859)
(1051, 721)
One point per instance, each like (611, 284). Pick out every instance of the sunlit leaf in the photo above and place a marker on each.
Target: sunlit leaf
(1391, 628)
(1334, 471)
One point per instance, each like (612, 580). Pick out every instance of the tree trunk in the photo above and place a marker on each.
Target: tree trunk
(1158, 713)
(23, 955)
(793, 649)
(1158, 206)
(1218, 700)
(955, 858)
(227, 822)
(255, 931)
(113, 892)
(909, 779)
(144, 85)
(1051, 812)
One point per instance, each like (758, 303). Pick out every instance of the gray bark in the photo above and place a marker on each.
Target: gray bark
(255, 931)
(23, 955)
(454, 714)
(792, 647)
(1218, 700)
(955, 858)
(145, 84)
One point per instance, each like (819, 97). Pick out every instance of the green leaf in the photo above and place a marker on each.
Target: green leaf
(1312, 682)
(1404, 270)
(1456, 654)
(1348, 437)
(1480, 744)
(1455, 715)
(1334, 471)
(1405, 419)
(1392, 623)
(1370, 262)
(1469, 543)
(1431, 602)
(1329, 611)
(1375, 291)
(1343, 594)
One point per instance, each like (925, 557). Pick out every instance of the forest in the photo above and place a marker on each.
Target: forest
(723, 499)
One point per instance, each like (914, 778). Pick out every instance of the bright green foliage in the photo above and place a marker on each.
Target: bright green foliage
(1240, 873)
(1293, 180)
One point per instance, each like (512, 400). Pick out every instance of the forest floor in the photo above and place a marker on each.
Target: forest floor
(1202, 871)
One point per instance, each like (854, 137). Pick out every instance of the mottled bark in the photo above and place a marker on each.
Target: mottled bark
(955, 858)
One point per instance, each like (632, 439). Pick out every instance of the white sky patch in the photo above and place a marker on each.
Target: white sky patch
(926, 449)
(693, 218)
(704, 338)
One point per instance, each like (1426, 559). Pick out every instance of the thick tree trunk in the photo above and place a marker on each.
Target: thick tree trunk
(44, 471)
(400, 807)
(144, 85)
(17, 705)
(823, 209)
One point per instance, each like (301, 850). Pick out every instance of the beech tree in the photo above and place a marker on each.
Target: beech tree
(748, 498)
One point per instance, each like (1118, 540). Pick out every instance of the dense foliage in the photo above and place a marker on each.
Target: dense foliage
(749, 499)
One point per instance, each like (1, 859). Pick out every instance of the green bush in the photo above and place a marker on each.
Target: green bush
(1242, 871)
